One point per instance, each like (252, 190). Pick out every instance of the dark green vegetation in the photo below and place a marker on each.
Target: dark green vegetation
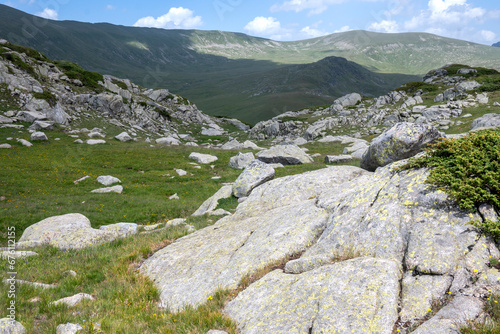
(468, 169)
(73, 71)
(47, 96)
(234, 74)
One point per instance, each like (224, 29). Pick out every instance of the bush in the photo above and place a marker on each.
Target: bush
(412, 87)
(468, 169)
(47, 96)
(73, 71)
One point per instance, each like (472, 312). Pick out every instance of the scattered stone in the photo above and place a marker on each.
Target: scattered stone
(348, 100)
(175, 222)
(68, 328)
(241, 161)
(30, 116)
(42, 125)
(121, 230)
(38, 136)
(255, 174)
(181, 172)
(203, 158)
(284, 154)
(123, 137)
(107, 180)
(402, 141)
(78, 141)
(276, 165)
(210, 204)
(93, 141)
(5, 146)
(115, 189)
(168, 141)
(251, 145)
(70, 231)
(24, 142)
(71, 273)
(150, 227)
(496, 104)
(73, 300)
(6, 255)
(35, 300)
(174, 197)
(487, 121)
(467, 71)
(33, 284)
(4, 120)
(81, 179)
(216, 178)
(331, 159)
(10, 326)
(212, 132)
(96, 135)
(219, 212)
(232, 145)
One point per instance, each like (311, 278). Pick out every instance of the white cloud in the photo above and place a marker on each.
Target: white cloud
(439, 6)
(343, 29)
(385, 26)
(314, 6)
(48, 13)
(263, 26)
(313, 32)
(488, 36)
(110, 7)
(176, 18)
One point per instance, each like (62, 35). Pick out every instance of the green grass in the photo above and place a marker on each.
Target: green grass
(47, 96)
(492, 309)
(7, 100)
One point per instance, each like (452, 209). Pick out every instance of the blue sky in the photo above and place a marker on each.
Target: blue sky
(472, 20)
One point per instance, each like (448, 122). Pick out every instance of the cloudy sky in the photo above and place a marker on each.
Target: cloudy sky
(472, 20)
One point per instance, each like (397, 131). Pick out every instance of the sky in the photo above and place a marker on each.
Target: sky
(284, 20)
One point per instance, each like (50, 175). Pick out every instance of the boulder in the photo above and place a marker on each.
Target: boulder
(212, 132)
(96, 135)
(255, 174)
(4, 120)
(68, 328)
(24, 142)
(38, 136)
(467, 71)
(107, 180)
(114, 189)
(336, 296)
(94, 141)
(348, 100)
(181, 172)
(10, 326)
(232, 145)
(121, 230)
(30, 116)
(42, 125)
(468, 85)
(331, 159)
(5, 146)
(241, 161)
(247, 144)
(285, 154)
(70, 231)
(203, 158)
(402, 141)
(123, 137)
(210, 204)
(168, 141)
(73, 300)
(486, 121)
(57, 114)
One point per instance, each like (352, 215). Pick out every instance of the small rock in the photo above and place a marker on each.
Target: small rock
(115, 189)
(330, 159)
(16, 254)
(219, 212)
(284, 154)
(5, 146)
(175, 222)
(96, 135)
(81, 179)
(203, 158)
(94, 141)
(496, 104)
(123, 137)
(25, 142)
(150, 227)
(254, 175)
(38, 136)
(78, 141)
(35, 300)
(73, 300)
(121, 230)
(108, 180)
(181, 172)
(168, 141)
(10, 326)
(174, 196)
(241, 161)
(68, 328)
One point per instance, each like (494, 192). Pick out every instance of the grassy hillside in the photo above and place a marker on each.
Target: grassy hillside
(227, 73)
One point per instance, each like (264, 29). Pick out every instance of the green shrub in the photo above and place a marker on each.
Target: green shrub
(412, 87)
(28, 51)
(16, 60)
(73, 71)
(120, 84)
(163, 113)
(47, 96)
(468, 169)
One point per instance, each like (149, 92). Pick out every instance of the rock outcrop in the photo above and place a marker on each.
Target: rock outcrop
(255, 174)
(285, 154)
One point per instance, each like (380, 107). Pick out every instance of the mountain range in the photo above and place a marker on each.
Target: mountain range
(237, 75)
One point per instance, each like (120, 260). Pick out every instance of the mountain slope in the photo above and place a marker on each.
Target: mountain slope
(223, 73)
(496, 44)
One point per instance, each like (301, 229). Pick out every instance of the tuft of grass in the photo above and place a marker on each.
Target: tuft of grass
(47, 96)
(88, 78)
(492, 309)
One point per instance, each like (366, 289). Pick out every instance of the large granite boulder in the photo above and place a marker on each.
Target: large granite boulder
(285, 154)
(10, 326)
(241, 161)
(488, 121)
(203, 158)
(255, 174)
(211, 204)
(38, 136)
(70, 231)
(400, 142)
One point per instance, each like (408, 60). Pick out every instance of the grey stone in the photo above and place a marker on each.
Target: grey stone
(168, 141)
(232, 145)
(30, 116)
(487, 121)
(24, 142)
(402, 141)
(174, 197)
(335, 298)
(467, 71)
(78, 141)
(10, 326)
(5, 146)
(96, 135)
(107, 180)
(284, 154)
(38, 136)
(211, 203)
(247, 144)
(81, 179)
(219, 212)
(241, 161)
(181, 172)
(70, 231)
(255, 174)
(123, 137)
(94, 141)
(121, 230)
(348, 100)
(16, 254)
(212, 132)
(68, 328)
(459, 312)
(4, 120)
(57, 114)
(203, 158)
(331, 159)
(42, 125)
(73, 300)
(468, 85)
(114, 189)
(32, 284)
(214, 331)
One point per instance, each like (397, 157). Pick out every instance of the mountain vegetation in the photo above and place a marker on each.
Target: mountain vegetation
(229, 73)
